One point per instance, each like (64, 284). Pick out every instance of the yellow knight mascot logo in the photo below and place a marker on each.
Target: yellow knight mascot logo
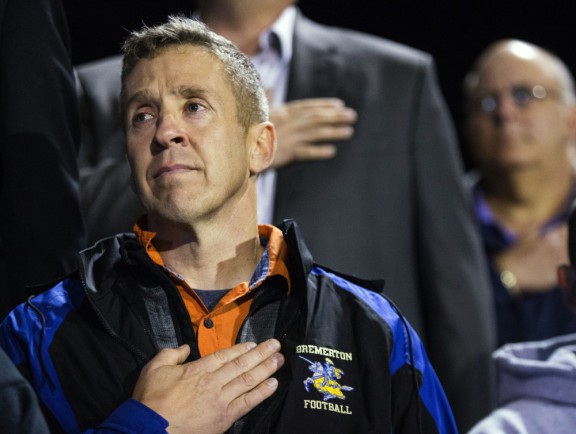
(324, 379)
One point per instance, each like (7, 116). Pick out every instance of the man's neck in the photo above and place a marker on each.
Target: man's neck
(242, 21)
(210, 254)
(524, 200)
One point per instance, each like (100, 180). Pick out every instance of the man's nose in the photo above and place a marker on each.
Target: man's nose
(504, 108)
(169, 131)
(506, 105)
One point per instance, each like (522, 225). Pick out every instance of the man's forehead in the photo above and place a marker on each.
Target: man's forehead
(507, 66)
(186, 71)
(184, 91)
(175, 57)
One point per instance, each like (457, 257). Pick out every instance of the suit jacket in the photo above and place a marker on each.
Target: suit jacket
(41, 227)
(391, 204)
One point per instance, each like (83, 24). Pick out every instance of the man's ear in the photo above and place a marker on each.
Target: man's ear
(262, 138)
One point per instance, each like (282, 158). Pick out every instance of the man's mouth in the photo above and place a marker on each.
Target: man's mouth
(172, 168)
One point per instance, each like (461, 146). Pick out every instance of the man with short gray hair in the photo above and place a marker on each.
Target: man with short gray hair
(202, 321)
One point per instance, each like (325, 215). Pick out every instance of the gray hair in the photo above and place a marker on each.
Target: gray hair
(251, 101)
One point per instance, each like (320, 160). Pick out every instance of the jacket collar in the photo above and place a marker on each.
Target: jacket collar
(300, 260)
(119, 267)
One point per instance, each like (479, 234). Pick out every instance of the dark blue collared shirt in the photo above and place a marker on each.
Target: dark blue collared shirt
(522, 317)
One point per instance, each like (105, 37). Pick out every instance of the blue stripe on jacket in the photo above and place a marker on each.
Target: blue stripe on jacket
(27, 336)
(431, 391)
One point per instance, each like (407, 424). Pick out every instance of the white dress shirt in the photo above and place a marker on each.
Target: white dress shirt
(272, 63)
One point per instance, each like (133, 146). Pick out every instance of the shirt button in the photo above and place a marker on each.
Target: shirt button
(208, 323)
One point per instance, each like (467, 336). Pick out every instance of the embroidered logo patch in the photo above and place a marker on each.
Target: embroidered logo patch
(326, 378)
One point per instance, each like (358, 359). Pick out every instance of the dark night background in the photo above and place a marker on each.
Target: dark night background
(454, 32)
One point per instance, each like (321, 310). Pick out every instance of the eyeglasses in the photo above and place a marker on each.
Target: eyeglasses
(521, 95)
(567, 282)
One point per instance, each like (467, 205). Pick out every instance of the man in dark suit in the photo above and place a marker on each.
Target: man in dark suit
(41, 227)
(390, 199)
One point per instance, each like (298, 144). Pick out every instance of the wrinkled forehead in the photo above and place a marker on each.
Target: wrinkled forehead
(175, 66)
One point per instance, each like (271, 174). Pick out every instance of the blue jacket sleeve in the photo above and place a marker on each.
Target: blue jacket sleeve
(132, 417)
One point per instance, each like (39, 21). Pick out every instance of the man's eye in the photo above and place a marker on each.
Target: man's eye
(142, 117)
(194, 107)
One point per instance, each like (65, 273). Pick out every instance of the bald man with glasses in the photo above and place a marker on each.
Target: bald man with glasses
(520, 129)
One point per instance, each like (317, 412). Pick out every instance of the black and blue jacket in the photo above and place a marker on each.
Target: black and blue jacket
(353, 364)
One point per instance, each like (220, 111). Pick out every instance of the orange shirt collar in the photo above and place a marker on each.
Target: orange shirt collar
(273, 260)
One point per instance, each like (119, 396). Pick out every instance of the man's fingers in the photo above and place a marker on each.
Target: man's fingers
(329, 116)
(326, 133)
(313, 118)
(260, 362)
(220, 358)
(246, 402)
(169, 356)
(253, 377)
(313, 103)
(308, 113)
(323, 127)
(254, 386)
(315, 152)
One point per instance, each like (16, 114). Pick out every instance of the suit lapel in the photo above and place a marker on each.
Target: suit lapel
(314, 65)
(313, 73)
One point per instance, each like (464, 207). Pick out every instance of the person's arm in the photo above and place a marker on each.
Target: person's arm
(202, 397)
(205, 396)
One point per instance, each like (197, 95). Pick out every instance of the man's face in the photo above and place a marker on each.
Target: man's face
(188, 153)
(522, 130)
